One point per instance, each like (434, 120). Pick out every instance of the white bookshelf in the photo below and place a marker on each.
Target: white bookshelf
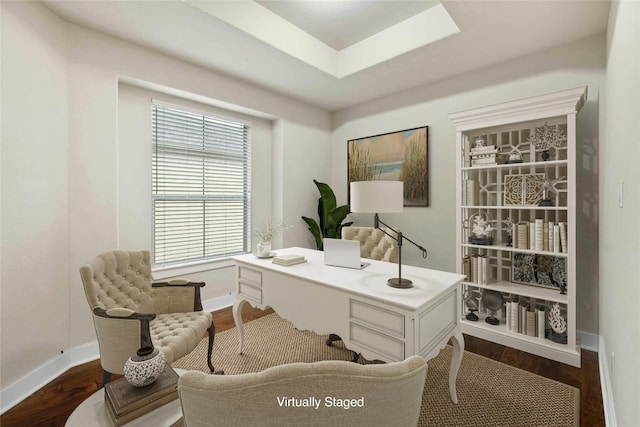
(531, 276)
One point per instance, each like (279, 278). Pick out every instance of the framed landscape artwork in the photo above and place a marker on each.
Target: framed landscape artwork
(395, 156)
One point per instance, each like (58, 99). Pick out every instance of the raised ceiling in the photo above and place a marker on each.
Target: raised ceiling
(335, 61)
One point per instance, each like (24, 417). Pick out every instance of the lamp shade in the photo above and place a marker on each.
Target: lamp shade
(377, 196)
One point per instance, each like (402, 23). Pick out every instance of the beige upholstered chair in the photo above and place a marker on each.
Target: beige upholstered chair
(379, 395)
(130, 311)
(374, 244)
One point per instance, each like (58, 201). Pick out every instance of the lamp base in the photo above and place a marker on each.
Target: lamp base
(400, 283)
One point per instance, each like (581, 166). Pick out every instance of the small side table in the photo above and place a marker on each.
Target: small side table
(92, 412)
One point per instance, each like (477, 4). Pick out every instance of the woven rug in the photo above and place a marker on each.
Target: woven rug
(490, 393)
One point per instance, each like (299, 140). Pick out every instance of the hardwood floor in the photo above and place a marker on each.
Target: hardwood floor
(52, 405)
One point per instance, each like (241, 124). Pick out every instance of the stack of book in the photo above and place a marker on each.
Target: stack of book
(289, 260)
(540, 236)
(522, 319)
(125, 402)
(476, 268)
(481, 156)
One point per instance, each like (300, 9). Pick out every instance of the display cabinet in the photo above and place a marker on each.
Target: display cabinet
(516, 222)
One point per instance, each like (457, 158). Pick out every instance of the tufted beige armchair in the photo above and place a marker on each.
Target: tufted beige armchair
(374, 244)
(376, 395)
(130, 311)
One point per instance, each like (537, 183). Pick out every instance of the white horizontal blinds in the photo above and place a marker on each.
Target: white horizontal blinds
(200, 186)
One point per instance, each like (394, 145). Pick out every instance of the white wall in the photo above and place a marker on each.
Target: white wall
(619, 231)
(34, 266)
(574, 65)
(73, 158)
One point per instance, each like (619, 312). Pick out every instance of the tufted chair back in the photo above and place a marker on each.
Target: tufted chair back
(374, 244)
(130, 311)
(119, 279)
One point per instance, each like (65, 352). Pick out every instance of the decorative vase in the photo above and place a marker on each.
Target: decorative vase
(264, 248)
(545, 155)
(144, 367)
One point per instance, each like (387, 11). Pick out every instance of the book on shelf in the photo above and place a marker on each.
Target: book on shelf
(539, 227)
(469, 190)
(523, 236)
(556, 238)
(540, 324)
(466, 267)
(531, 322)
(485, 149)
(289, 259)
(483, 161)
(125, 402)
(532, 236)
(563, 236)
(545, 237)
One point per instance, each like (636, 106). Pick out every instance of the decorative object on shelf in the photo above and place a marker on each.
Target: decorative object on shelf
(523, 189)
(540, 270)
(482, 154)
(394, 156)
(508, 228)
(144, 367)
(514, 156)
(384, 197)
(266, 233)
(472, 298)
(330, 214)
(493, 300)
(545, 137)
(481, 229)
(548, 185)
(558, 325)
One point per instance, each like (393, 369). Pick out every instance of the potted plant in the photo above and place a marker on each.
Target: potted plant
(266, 232)
(330, 215)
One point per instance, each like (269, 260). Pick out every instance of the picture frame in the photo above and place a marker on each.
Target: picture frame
(394, 156)
(539, 270)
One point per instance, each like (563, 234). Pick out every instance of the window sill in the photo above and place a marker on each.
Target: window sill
(161, 273)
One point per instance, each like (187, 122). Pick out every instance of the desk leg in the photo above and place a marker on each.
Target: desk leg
(456, 359)
(237, 318)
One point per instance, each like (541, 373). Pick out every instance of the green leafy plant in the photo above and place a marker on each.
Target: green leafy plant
(330, 214)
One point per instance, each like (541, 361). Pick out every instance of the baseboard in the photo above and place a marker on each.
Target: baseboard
(589, 341)
(15, 393)
(605, 385)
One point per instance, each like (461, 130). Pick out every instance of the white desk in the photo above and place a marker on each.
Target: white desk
(373, 319)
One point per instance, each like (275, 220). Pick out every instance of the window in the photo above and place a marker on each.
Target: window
(201, 194)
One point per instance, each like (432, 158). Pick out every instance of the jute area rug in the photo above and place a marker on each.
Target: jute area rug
(490, 393)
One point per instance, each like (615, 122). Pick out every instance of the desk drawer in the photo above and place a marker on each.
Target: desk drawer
(386, 321)
(250, 275)
(250, 291)
(377, 342)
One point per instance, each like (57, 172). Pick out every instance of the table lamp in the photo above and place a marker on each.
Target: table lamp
(383, 197)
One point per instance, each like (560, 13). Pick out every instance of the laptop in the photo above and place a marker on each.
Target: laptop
(343, 253)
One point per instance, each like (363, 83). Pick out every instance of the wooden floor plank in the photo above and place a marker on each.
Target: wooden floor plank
(52, 405)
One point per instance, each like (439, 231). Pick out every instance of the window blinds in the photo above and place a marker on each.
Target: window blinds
(201, 191)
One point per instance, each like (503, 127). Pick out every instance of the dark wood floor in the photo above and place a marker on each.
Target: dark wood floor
(52, 405)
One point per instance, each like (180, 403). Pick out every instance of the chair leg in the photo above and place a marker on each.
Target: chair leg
(106, 378)
(332, 338)
(212, 334)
